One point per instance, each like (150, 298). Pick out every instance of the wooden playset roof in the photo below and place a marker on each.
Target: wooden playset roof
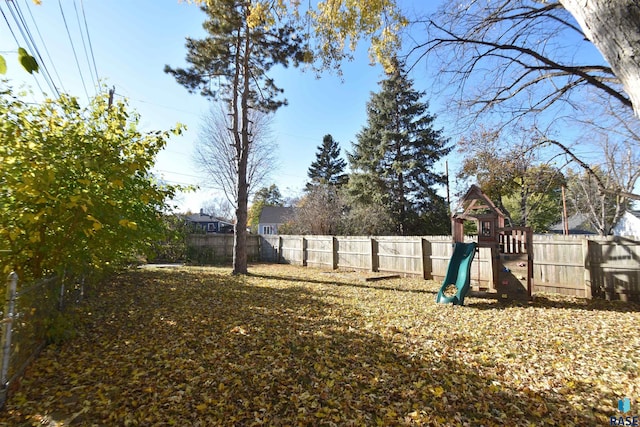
(474, 203)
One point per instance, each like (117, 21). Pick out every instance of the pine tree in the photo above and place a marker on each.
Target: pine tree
(231, 64)
(266, 196)
(328, 168)
(393, 158)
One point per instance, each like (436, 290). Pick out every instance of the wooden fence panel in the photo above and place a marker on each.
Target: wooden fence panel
(400, 255)
(614, 268)
(219, 247)
(355, 252)
(291, 250)
(270, 248)
(320, 251)
(559, 265)
(482, 270)
(439, 253)
(253, 248)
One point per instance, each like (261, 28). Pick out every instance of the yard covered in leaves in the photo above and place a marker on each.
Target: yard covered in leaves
(294, 346)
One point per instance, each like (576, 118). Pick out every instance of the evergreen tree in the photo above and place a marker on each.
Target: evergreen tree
(266, 196)
(269, 196)
(231, 64)
(393, 158)
(328, 168)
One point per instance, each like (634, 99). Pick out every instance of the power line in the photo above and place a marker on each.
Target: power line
(93, 58)
(46, 50)
(18, 43)
(18, 17)
(84, 45)
(180, 173)
(157, 105)
(73, 49)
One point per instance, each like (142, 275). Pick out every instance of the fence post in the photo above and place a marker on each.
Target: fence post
(424, 265)
(279, 260)
(334, 253)
(586, 256)
(374, 254)
(304, 252)
(7, 321)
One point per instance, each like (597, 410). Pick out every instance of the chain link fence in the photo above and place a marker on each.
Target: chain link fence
(33, 315)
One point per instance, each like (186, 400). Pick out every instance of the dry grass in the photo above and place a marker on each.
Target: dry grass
(293, 346)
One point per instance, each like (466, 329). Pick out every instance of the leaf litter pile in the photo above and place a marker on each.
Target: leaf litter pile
(291, 346)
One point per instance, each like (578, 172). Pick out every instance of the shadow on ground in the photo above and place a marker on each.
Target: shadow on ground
(196, 348)
(488, 303)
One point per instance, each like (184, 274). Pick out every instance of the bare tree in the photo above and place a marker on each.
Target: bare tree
(518, 58)
(366, 220)
(218, 207)
(319, 211)
(215, 154)
(605, 188)
(514, 56)
(617, 132)
(584, 197)
(613, 27)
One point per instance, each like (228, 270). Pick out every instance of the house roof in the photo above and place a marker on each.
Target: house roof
(204, 218)
(276, 214)
(475, 200)
(578, 224)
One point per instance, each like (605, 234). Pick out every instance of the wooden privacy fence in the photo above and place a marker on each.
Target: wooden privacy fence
(426, 257)
(589, 266)
(584, 266)
(218, 248)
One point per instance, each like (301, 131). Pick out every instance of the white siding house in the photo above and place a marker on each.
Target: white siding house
(629, 225)
(272, 217)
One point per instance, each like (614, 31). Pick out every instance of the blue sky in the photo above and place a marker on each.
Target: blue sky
(133, 40)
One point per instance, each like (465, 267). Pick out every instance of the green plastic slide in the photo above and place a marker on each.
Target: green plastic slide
(458, 273)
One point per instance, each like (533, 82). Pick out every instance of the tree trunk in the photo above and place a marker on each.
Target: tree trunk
(612, 25)
(240, 241)
(240, 229)
(524, 196)
(240, 235)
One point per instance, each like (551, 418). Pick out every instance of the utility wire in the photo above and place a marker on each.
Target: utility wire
(180, 173)
(153, 103)
(18, 43)
(93, 58)
(84, 46)
(18, 17)
(46, 50)
(74, 50)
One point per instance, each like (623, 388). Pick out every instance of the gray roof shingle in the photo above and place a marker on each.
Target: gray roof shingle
(276, 214)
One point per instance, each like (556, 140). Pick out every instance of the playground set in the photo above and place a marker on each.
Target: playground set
(510, 248)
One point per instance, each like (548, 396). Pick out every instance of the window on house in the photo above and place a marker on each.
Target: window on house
(267, 229)
(211, 227)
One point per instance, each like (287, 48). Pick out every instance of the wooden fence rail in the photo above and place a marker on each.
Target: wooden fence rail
(584, 266)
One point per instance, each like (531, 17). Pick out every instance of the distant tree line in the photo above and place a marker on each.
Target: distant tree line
(393, 181)
(392, 185)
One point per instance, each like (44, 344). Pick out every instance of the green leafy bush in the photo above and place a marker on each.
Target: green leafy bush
(77, 187)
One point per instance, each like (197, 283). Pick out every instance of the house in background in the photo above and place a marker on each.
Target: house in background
(272, 217)
(204, 223)
(578, 224)
(628, 225)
